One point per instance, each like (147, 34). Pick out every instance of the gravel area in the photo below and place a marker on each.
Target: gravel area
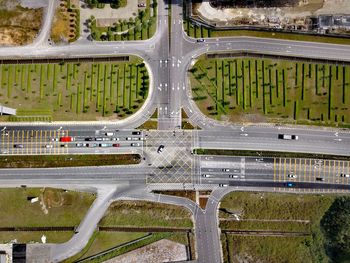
(158, 252)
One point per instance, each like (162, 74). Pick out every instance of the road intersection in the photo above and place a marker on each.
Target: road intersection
(168, 60)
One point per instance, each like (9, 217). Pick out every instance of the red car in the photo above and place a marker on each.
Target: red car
(116, 145)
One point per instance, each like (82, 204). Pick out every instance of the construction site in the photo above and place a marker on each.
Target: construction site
(314, 16)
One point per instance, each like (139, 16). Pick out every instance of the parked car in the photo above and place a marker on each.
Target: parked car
(292, 176)
(135, 144)
(225, 170)
(136, 133)
(116, 145)
(18, 145)
(344, 175)
(160, 148)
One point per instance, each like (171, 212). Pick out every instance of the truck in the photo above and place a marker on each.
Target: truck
(66, 139)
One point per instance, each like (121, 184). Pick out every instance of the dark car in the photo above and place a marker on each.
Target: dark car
(136, 133)
(89, 139)
(160, 148)
(319, 179)
(200, 40)
(18, 145)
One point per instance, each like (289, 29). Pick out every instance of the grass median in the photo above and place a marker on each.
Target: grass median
(47, 161)
(269, 154)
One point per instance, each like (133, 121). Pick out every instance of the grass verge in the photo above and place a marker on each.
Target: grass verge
(146, 214)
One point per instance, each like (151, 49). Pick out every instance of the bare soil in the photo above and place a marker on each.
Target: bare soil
(18, 25)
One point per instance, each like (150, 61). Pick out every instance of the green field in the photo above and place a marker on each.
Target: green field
(59, 208)
(74, 91)
(146, 214)
(264, 90)
(142, 27)
(279, 212)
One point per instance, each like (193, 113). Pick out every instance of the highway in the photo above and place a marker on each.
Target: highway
(168, 60)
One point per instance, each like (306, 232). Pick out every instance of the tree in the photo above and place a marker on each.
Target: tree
(336, 226)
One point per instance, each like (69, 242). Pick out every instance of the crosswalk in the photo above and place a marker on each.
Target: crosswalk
(33, 142)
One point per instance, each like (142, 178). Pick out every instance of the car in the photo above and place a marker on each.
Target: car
(98, 139)
(232, 176)
(135, 144)
(91, 145)
(206, 175)
(81, 144)
(288, 137)
(160, 148)
(200, 40)
(64, 145)
(116, 145)
(106, 139)
(115, 139)
(141, 5)
(55, 139)
(290, 184)
(89, 139)
(136, 133)
(18, 145)
(109, 133)
(292, 176)
(225, 170)
(128, 138)
(48, 146)
(135, 138)
(105, 145)
(223, 185)
(344, 175)
(319, 179)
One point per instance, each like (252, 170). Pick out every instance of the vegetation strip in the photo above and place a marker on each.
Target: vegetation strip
(47, 161)
(144, 229)
(269, 154)
(264, 233)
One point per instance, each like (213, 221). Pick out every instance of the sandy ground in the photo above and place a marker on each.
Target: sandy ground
(158, 252)
(315, 7)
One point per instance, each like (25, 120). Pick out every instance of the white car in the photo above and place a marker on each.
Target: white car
(55, 139)
(48, 146)
(292, 176)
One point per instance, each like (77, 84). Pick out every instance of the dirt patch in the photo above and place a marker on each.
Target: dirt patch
(18, 25)
(203, 202)
(187, 194)
(158, 252)
(64, 27)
